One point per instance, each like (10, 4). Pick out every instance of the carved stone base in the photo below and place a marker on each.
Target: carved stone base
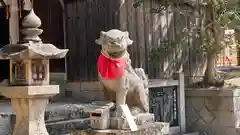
(29, 103)
(140, 119)
(29, 118)
(146, 129)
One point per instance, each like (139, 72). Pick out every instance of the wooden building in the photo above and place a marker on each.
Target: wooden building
(52, 25)
(75, 25)
(85, 19)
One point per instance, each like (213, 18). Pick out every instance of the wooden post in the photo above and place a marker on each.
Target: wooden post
(14, 22)
(64, 34)
(181, 103)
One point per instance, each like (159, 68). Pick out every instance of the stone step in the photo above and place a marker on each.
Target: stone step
(67, 126)
(194, 133)
(66, 111)
(56, 111)
(62, 118)
(174, 130)
(177, 131)
(59, 116)
(140, 119)
(146, 129)
(73, 114)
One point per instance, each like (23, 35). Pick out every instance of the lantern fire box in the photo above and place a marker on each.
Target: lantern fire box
(29, 72)
(29, 59)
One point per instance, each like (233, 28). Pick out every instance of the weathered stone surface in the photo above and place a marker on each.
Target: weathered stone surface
(236, 103)
(100, 116)
(67, 126)
(60, 117)
(131, 87)
(219, 103)
(29, 91)
(7, 122)
(147, 129)
(29, 104)
(66, 111)
(140, 119)
(213, 112)
(144, 118)
(29, 116)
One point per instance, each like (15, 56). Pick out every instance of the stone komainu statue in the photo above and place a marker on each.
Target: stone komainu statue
(121, 83)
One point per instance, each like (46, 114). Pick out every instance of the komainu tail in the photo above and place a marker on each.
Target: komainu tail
(140, 72)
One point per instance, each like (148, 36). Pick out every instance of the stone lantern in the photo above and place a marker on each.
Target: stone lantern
(28, 87)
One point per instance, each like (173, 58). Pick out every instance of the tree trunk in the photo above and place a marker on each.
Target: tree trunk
(210, 71)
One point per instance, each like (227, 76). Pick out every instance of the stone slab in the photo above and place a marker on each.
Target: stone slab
(62, 117)
(29, 91)
(57, 111)
(67, 126)
(102, 108)
(100, 116)
(129, 118)
(140, 119)
(66, 111)
(144, 118)
(147, 129)
(193, 133)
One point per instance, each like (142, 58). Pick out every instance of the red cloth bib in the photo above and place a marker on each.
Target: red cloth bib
(110, 69)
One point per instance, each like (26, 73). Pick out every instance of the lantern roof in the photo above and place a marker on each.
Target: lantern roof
(32, 51)
(31, 45)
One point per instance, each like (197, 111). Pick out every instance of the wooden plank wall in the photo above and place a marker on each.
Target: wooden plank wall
(50, 12)
(148, 29)
(85, 20)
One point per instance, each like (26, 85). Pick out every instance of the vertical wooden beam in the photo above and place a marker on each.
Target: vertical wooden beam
(14, 22)
(62, 4)
(181, 103)
(64, 34)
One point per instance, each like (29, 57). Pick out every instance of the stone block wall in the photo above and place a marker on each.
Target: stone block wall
(58, 79)
(84, 91)
(76, 91)
(213, 112)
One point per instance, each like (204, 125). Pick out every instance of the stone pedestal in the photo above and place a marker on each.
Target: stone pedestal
(100, 116)
(29, 103)
(140, 119)
(146, 129)
(213, 112)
